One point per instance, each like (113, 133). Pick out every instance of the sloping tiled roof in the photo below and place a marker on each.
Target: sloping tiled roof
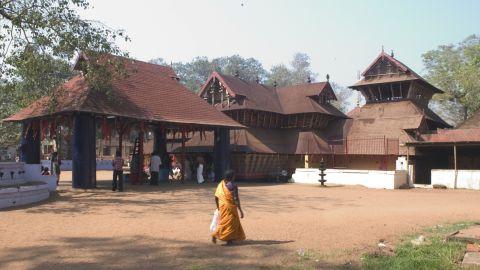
(285, 100)
(149, 92)
(451, 136)
(390, 120)
(407, 75)
(258, 96)
(265, 141)
(297, 99)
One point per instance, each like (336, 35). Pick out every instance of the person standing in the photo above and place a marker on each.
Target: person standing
(155, 163)
(117, 164)
(229, 228)
(200, 165)
(55, 165)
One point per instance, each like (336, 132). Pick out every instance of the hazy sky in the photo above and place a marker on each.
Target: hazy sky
(342, 37)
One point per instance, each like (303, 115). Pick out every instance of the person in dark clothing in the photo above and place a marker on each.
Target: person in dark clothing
(117, 164)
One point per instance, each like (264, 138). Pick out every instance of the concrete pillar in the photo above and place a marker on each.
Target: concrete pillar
(84, 164)
(221, 151)
(30, 145)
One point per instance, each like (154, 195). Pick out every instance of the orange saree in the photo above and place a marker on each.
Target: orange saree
(229, 227)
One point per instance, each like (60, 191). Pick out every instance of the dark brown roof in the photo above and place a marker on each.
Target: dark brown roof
(406, 75)
(252, 140)
(149, 92)
(258, 96)
(391, 120)
(298, 99)
(286, 100)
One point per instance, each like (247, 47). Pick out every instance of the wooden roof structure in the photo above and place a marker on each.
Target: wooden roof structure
(148, 92)
(294, 99)
(387, 69)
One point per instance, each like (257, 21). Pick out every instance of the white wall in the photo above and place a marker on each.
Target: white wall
(23, 195)
(105, 164)
(33, 173)
(367, 178)
(469, 179)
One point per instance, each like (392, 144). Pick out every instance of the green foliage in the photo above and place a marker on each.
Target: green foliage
(298, 73)
(194, 73)
(38, 38)
(455, 69)
(436, 253)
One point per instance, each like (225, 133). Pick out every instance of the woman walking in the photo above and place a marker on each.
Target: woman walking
(229, 228)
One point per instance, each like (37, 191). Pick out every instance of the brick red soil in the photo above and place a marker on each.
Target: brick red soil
(166, 227)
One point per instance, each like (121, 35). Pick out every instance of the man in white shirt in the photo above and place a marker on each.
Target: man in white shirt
(155, 163)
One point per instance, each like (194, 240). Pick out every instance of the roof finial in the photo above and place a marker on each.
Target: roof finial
(236, 73)
(328, 77)
(309, 80)
(383, 50)
(391, 54)
(257, 79)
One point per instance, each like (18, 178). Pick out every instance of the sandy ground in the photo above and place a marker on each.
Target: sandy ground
(166, 227)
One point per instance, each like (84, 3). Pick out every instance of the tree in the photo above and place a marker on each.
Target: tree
(38, 38)
(195, 73)
(301, 70)
(280, 76)
(455, 69)
(344, 97)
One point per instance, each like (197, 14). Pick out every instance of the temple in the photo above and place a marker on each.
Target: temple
(396, 112)
(148, 98)
(297, 126)
(262, 132)
(286, 126)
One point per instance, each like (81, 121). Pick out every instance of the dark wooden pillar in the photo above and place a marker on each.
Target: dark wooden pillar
(159, 142)
(30, 145)
(83, 152)
(221, 151)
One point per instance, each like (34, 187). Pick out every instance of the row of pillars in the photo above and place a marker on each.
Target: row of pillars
(84, 155)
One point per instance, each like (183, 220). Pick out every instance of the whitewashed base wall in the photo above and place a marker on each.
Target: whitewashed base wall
(367, 178)
(468, 179)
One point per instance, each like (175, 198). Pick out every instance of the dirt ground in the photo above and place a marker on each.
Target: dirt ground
(166, 227)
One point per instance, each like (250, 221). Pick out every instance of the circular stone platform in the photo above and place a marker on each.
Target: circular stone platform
(24, 193)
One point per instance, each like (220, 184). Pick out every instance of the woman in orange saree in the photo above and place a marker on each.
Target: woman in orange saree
(229, 228)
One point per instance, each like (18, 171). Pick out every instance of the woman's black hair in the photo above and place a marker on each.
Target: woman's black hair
(229, 175)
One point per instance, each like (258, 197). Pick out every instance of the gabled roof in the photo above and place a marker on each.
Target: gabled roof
(406, 74)
(257, 96)
(148, 92)
(292, 99)
(299, 99)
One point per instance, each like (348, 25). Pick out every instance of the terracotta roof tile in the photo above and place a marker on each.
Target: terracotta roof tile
(149, 92)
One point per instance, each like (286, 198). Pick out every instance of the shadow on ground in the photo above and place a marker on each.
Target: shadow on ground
(143, 252)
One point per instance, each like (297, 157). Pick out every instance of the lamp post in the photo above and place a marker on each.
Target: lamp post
(322, 172)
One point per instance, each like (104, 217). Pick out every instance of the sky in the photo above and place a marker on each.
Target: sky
(341, 37)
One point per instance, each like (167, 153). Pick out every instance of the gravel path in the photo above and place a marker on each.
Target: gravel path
(166, 227)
